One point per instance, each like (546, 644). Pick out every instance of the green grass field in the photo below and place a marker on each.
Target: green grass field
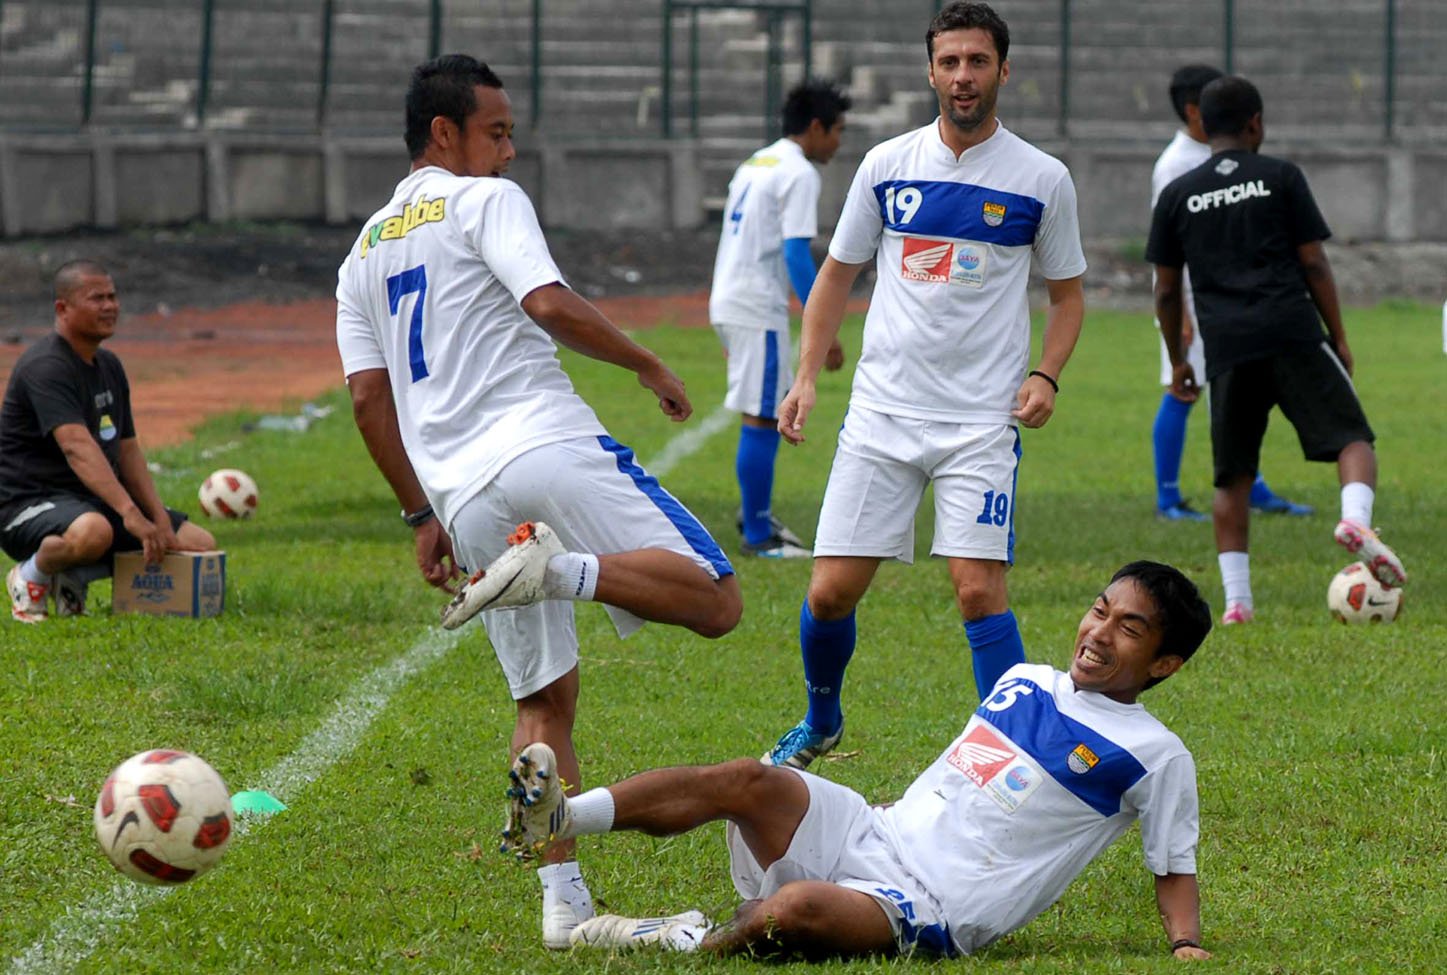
(1319, 746)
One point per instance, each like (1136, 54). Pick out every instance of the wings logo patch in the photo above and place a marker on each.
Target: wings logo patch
(993, 763)
(927, 260)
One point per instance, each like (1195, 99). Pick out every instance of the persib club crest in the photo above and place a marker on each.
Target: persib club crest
(994, 214)
(1227, 166)
(1082, 760)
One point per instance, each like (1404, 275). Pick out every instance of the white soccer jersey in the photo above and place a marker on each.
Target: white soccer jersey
(1042, 780)
(1180, 157)
(430, 291)
(947, 336)
(773, 196)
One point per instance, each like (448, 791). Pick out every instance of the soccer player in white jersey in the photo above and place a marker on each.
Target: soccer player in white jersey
(448, 308)
(763, 248)
(1185, 152)
(1050, 770)
(951, 214)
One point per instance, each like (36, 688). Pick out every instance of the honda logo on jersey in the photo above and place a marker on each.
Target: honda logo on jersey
(927, 260)
(991, 761)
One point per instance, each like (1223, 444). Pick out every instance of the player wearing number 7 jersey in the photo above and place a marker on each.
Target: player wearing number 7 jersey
(448, 308)
(951, 214)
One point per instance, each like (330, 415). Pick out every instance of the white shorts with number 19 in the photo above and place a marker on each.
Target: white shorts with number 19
(881, 468)
(599, 500)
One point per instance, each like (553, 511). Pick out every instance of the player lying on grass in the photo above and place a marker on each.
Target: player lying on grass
(1050, 770)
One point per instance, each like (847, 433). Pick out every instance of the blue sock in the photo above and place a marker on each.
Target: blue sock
(995, 647)
(754, 465)
(1169, 437)
(826, 648)
(1260, 493)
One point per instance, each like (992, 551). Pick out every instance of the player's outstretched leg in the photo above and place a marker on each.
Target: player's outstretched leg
(515, 578)
(1267, 501)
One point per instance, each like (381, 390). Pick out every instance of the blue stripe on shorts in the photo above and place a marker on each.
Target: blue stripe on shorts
(1014, 496)
(768, 401)
(688, 526)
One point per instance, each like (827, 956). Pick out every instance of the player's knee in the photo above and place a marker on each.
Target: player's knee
(193, 536)
(742, 778)
(794, 915)
(725, 610)
(828, 602)
(89, 538)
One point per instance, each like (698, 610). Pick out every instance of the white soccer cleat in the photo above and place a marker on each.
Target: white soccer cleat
(559, 923)
(677, 932)
(70, 594)
(537, 811)
(1362, 542)
(27, 599)
(515, 577)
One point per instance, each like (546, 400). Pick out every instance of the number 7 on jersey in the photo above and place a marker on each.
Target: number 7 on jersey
(411, 281)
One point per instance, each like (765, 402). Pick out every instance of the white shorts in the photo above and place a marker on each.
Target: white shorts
(760, 368)
(881, 468)
(596, 497)
(1195, 355)
(838, 841)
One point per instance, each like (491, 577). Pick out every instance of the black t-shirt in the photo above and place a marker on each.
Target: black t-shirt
(1237, 220)
(51, 386)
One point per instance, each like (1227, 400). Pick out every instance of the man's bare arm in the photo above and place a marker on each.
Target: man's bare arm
(1321, 283)
(1170, 312)
(1035, 400)
(1179, 901)
(822, 317)
(85, 458)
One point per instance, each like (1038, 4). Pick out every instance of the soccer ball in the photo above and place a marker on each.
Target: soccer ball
(228, 493)
(163, 817)
(1355, 596)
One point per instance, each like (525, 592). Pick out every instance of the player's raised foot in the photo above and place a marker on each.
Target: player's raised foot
(559, 922)
(537, 810)
(1237, 613)
(1181, 511)
(800, 745)
(70, 594)
(677, 932)
(1277, 505)
(1362, 542)
(776, 527)
(515, 577)
(27, 599)
(776, 546)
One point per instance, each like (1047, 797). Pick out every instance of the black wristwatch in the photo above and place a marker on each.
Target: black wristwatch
(419, 517)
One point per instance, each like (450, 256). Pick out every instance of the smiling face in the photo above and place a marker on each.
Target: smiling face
(966, 73)
(1117, 643)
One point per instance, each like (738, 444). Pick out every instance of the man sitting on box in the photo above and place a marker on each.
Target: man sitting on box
(74, 487)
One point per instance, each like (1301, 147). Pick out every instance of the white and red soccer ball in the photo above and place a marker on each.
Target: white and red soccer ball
(163, 817)
(1355, 596)
(228, 493)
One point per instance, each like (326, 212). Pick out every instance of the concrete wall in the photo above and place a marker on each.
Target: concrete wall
(56, 183)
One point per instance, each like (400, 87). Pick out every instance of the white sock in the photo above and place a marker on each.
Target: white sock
(1236, 577)
(563, 884)
(1356, 503)
(572, 575)
(30, 572)
(592, 812)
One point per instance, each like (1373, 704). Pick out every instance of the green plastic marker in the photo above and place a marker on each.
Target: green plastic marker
(256, 802)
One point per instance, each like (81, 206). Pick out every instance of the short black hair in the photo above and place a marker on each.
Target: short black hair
(967, 16)
(817, 98)
(1184, 616)
(443, 86)
(1186, 85)
(68, 276)
(1228, 104)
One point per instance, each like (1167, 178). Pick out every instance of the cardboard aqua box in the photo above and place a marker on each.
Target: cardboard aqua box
(191, 584)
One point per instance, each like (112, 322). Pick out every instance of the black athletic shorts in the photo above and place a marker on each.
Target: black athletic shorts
(1314, 392)
(25, 524)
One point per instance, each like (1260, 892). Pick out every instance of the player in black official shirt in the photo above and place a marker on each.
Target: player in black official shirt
(1252, 234)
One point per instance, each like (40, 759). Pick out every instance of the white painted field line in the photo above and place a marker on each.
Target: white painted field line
(689, 442)
(82, 928)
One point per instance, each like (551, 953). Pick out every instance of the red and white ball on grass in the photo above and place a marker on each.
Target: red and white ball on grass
(163, 817)
(1355, 596)
(228, 493)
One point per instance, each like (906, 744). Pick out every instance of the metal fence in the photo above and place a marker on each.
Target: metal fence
(1352, 69)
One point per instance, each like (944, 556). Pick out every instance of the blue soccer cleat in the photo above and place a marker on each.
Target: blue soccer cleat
(1181, 511)
(1277, 505)
(800, 745)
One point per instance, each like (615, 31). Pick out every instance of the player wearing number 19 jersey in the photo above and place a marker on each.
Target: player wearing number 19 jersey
(448, 310)
(951, 215)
